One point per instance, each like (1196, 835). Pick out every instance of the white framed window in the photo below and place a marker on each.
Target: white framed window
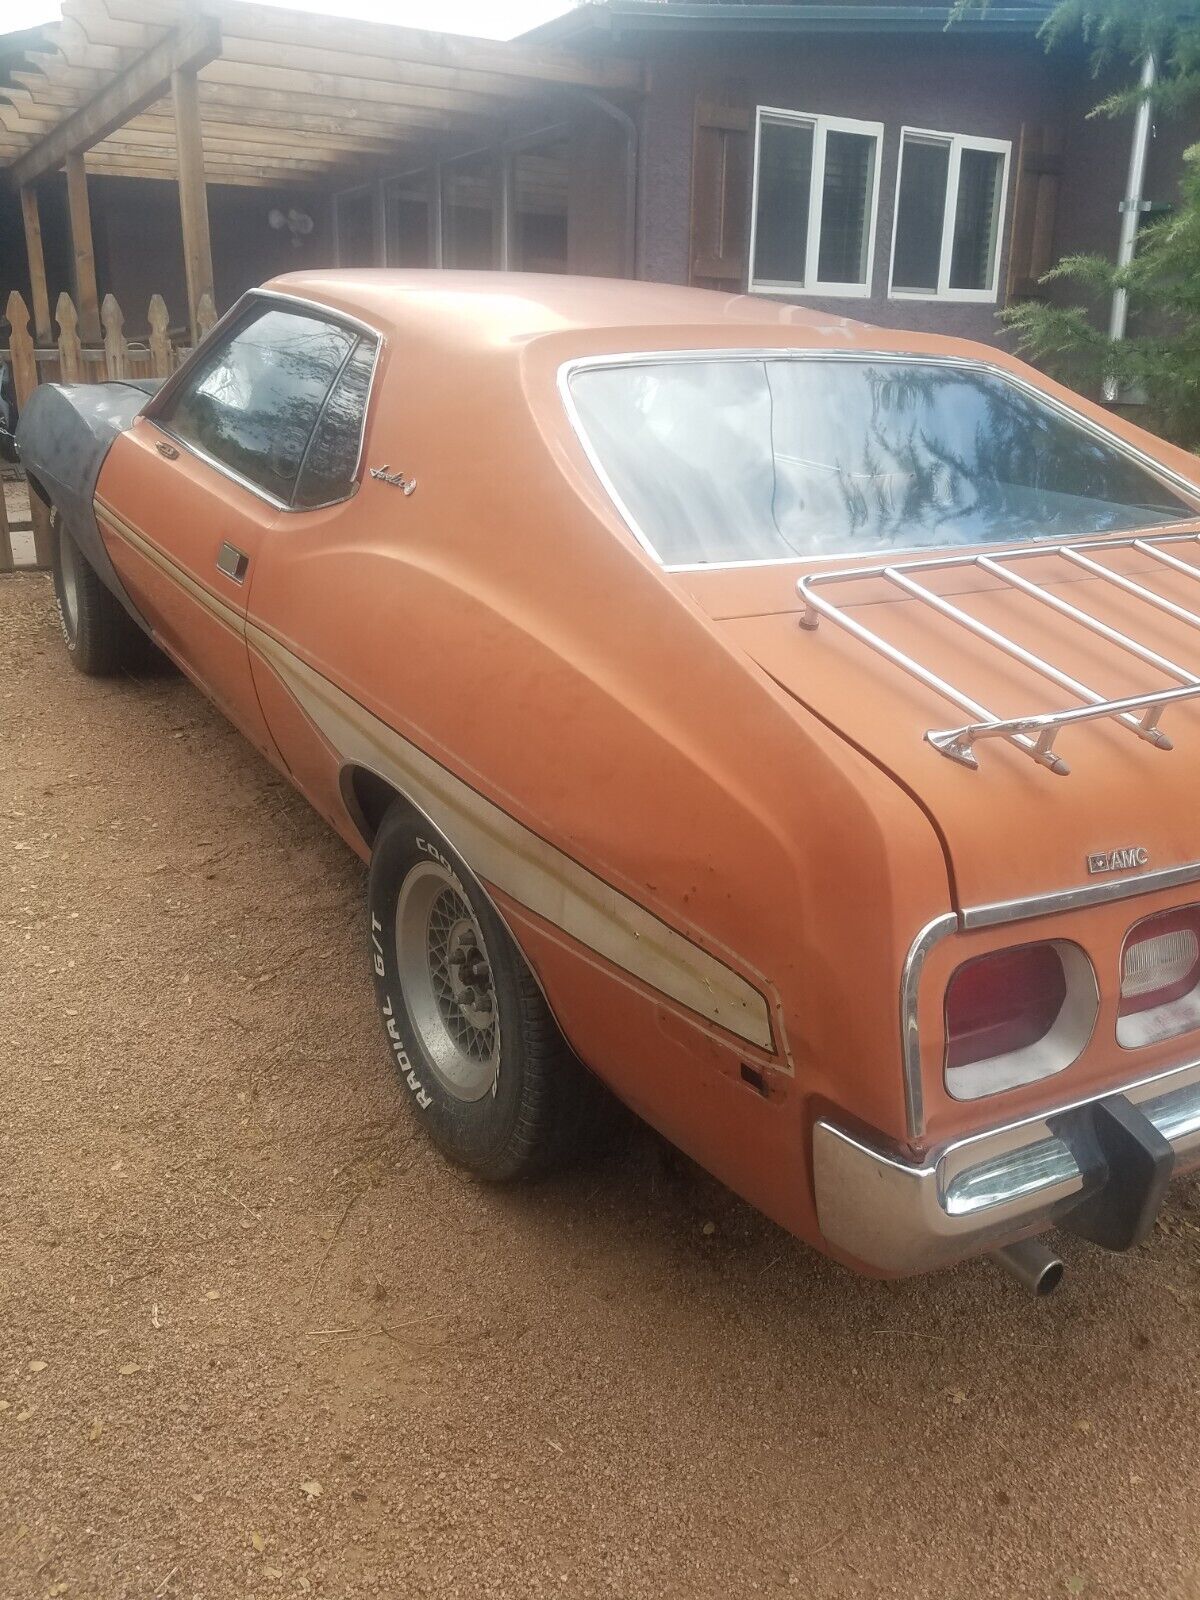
(816, 195)
(950, 198)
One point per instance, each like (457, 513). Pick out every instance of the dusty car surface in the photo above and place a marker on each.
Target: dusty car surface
(763, 715)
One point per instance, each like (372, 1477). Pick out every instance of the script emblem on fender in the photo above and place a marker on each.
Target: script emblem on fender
(396, 479)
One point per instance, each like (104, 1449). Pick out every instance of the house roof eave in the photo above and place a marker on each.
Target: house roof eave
(607, 22)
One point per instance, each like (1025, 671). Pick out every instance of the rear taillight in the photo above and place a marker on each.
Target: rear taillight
(1003, 1002)
(1160, 978)
(1017, 1015)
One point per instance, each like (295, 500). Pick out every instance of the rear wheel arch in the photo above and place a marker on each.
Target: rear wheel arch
(368, 798)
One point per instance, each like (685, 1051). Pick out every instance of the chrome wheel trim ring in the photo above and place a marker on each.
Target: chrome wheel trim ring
(68, 584)
(445, 973)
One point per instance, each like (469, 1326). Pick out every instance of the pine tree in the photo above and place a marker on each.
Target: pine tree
(1160, 359)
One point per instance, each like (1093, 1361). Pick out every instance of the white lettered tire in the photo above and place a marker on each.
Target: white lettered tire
(479, 1057)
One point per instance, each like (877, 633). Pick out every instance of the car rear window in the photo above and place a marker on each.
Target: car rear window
(725, 460)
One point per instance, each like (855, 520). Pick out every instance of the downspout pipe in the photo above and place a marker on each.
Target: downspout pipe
(629, 128)
(1131, 206)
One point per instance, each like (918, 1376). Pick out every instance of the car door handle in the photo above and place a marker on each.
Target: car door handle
(233, 562)
(168, 450)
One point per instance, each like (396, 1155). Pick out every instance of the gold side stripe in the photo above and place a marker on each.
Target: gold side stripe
(221, 609)
(503, 851)
(523, 865)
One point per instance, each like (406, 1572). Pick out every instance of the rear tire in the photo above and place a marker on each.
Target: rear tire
(102, 639)
(487, 1072)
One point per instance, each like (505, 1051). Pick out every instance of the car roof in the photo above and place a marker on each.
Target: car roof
(490, 308)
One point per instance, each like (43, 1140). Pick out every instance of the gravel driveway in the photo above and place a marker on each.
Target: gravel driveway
(256, 1339)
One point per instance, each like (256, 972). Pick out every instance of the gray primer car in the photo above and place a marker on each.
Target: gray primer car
(63, 435)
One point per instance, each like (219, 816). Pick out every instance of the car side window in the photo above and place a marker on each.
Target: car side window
(253, 403)
(331, 461)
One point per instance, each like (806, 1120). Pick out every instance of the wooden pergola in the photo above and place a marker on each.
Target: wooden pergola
(227, 91)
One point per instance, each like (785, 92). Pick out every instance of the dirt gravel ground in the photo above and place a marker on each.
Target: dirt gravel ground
(256, 1339)
(16, 504)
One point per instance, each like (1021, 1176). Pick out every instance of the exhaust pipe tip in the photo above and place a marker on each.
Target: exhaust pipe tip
(1034, 1267)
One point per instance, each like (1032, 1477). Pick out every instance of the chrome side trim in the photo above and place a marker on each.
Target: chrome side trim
(198, 454)
(639, 358)
(1087, 894)
(931, 934)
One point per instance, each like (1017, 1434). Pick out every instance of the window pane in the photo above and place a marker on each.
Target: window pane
(406, 223)
(781, 225)
(253, 402)
(356, 243)
(468, 202)
(751, 459)
(920, 213)
(332, 458)
(539, 242)
(846, 200)
(978, 212)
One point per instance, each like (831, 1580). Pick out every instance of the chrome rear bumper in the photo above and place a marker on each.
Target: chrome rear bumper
(972, 1194)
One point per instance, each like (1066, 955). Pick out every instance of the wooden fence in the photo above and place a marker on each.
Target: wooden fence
(70, 360)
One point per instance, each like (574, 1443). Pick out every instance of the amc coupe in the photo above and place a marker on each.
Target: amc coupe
(788, 725)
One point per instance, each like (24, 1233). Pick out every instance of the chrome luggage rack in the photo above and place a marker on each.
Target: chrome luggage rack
(1034, 734)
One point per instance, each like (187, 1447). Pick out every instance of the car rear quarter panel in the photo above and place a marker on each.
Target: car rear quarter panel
(502, 620)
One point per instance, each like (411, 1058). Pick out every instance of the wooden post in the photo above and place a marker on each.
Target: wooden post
(206, 315)
(114, 338)
(159, 319)
(193, 198)
(87, 296)
(6, 551)
(69, 358)
(24, 365)
(37, 264)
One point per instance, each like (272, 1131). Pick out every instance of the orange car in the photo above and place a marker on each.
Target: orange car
(766, 715)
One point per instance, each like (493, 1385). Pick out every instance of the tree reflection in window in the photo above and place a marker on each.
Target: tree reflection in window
(747, 460)
(253, 403)
(332, 457)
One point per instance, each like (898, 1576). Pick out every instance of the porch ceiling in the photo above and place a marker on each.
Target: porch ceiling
(284, 96)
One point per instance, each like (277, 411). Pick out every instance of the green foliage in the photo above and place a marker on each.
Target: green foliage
(1121, 31)
(1118, 32)
(1160, 359)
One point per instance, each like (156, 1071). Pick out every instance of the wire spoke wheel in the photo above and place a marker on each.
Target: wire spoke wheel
(445, 973)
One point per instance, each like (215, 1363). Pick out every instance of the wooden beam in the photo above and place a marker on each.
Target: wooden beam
(193, 197)
(139, 85)
(233, 178)
(330, 57)
(227, 137)
(55, 69)
(257, 79)
(37, 264)
(101, 28)
(456, 52)
(87, 298)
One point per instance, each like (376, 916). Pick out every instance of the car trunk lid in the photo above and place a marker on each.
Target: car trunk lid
(1011, 828)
